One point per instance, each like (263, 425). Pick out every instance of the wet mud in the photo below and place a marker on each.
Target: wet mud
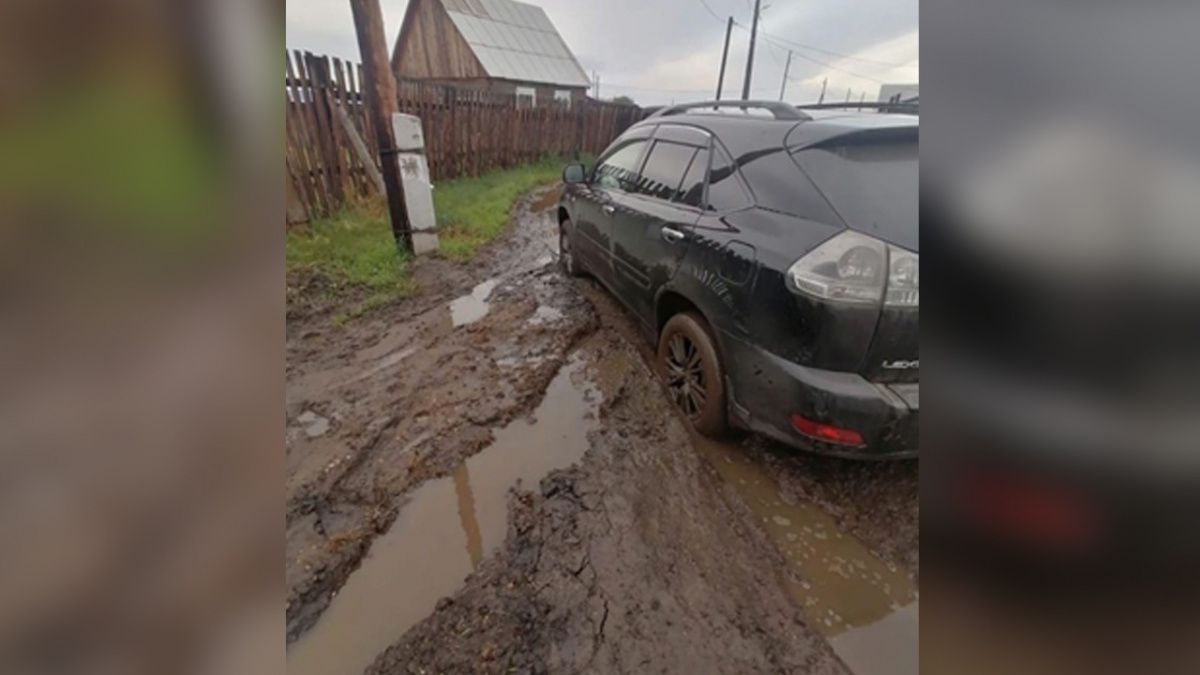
(633, 560)
(446, 528)
(377, 407)
(488, 478)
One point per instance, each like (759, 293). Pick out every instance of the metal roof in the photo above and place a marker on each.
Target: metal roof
(515, 41)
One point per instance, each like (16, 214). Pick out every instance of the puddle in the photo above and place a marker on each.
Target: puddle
(448, 526)
(545, 314)
(866, 608)
(314, 425)
(473, 306)
(545, 200)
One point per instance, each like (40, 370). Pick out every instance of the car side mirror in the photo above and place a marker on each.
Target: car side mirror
(574, 173)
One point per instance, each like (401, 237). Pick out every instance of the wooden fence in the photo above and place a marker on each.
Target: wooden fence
(466, 131)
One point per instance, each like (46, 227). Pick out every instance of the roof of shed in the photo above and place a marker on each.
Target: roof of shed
(515, 41)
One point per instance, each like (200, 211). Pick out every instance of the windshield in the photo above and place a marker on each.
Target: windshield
(874, 186)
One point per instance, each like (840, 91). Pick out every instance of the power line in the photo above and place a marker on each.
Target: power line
(772, 53)
(801, 45)
(830, 52)
(655, 90)
(669, 91)
(830, 65)
(710, 11)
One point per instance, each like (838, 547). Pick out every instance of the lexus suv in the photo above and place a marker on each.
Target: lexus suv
(771, 253)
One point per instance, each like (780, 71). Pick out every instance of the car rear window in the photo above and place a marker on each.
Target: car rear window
(725, 192)
(779, 185)
(874, 186)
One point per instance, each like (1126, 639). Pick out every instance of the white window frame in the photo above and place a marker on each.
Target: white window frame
(563, 96)
(527, 92)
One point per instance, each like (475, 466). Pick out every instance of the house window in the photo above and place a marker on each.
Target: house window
(563, 97)
(526, 97)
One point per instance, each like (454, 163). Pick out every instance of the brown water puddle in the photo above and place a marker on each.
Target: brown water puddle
(445, 530)
(865, 607)
(474, 305)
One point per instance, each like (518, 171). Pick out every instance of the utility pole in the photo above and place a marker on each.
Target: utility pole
(750, 56)
(823, 83)
(787, 66)
(381, 95)
(847, 97)
(862, 97)
(724, 57)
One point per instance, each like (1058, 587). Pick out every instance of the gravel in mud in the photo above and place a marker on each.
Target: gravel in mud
(639, 558)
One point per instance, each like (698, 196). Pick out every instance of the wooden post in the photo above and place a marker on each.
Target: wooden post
(381, 87)
(786, 68)
(360, 148)
(724, 57)
(750, 54)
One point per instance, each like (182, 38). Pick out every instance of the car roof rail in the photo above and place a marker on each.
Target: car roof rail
(781, 111)
(882, 106)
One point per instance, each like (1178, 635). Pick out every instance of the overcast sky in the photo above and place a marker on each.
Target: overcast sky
(657, 51)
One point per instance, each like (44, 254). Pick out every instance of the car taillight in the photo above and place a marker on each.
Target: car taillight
(826, 432)
(854, 268)
(904, 279)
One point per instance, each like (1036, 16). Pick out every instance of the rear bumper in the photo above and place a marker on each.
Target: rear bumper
(766, 390)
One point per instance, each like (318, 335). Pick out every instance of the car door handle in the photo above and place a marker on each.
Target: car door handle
(608, 208)
(672, 235)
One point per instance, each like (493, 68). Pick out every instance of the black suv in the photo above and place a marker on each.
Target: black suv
(771, 253)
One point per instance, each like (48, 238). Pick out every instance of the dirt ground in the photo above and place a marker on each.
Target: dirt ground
(486, 477)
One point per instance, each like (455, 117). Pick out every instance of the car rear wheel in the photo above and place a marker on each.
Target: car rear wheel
(688, 363)
(566, 253)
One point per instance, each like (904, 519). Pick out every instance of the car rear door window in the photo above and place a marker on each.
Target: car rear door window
(725, 191)
(691, 191)
(618, 171)
(664, 169)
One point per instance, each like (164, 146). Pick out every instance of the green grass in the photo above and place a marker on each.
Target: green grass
(473, 211)
(355, 249)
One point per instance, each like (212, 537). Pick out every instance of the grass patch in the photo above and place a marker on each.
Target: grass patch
(354, 249)
(354, 255)
(473, 211)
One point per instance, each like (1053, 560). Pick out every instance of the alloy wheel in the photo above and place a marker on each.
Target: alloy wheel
(685, 375)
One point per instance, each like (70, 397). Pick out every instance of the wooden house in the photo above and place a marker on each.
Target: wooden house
(499, 46)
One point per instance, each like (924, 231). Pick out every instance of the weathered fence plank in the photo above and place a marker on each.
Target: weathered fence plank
(467, 131)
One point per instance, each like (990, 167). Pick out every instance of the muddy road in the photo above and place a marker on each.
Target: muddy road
(488, 478)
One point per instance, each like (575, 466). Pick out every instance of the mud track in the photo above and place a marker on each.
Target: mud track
(638, 552)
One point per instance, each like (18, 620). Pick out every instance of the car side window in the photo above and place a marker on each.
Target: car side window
(619, 170)
(691, 191)
(725, 191)
(663, 172)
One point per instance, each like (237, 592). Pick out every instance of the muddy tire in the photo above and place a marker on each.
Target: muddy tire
(566, 253)
(691, 368)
